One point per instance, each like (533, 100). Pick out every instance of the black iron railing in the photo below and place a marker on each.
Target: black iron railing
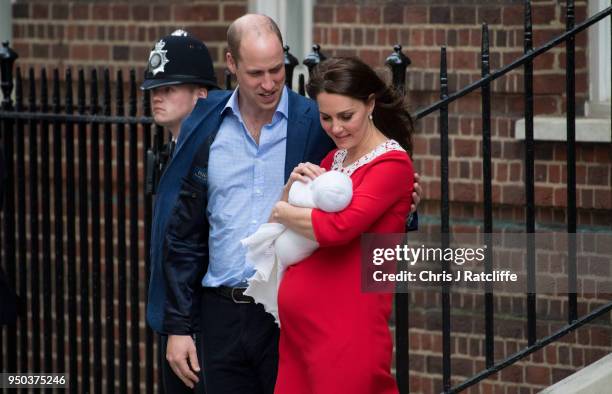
(526, 61)
(63, 167)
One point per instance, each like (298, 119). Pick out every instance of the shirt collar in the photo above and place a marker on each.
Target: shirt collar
(282, 109)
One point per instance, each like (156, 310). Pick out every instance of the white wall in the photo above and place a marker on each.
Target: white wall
(5, 20)
(599, 63)
(294, 19)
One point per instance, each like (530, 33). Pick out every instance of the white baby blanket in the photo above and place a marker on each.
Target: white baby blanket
(273, 247)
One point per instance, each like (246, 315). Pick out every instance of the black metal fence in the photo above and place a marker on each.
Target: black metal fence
(484, 84)
(91, 223)
(75, 236)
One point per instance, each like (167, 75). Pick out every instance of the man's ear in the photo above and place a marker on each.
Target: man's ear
(202, 92)
(230, 62)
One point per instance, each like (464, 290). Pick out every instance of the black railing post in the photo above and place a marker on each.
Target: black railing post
(148, 210)
(7, 60)
(34, 263)
(487, 195)
(96, 280)
(84, 272)
(314, 58)
(571, 164)
(445, 223)
(302, 85)
(290, 63)
(21, 225)
(70, 215)
(529, 179)
(109, 281)
(121, 238)
(134, 240)
(46, 225)
(398, 62)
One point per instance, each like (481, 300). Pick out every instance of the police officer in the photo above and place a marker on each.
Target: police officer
(179, 72)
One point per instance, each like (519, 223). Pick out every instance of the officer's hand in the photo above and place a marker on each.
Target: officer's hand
(417, 193)
(183, 359)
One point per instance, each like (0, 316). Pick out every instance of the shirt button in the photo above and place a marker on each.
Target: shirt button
(253, 221)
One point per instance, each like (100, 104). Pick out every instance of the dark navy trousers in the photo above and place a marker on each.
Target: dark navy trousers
(239, 346)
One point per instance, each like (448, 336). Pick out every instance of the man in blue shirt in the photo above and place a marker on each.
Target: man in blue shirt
(265, 131)
(232, 157)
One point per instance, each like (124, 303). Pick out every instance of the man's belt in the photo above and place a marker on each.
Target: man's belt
(235, 294)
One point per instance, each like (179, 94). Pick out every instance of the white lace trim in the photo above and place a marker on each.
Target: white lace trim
(340, 155)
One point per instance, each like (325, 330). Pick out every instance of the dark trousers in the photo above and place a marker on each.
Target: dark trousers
(239, 345)
(172, 383)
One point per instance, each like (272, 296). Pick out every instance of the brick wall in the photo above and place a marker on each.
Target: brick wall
(530, 375)
(114, 34)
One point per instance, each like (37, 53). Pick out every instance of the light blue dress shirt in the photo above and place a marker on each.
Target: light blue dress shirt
(245, 180)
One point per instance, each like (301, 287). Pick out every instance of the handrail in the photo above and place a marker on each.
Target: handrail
(76, 118)
(539, 344)
(518, 62)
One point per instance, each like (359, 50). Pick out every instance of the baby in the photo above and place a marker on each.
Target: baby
(273, 248)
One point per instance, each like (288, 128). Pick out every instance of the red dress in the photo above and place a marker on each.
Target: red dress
(334, 338)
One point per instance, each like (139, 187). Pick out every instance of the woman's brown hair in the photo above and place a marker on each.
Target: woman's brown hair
(351, 77)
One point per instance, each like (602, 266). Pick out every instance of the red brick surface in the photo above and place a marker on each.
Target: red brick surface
(530, 375)
(123, 28)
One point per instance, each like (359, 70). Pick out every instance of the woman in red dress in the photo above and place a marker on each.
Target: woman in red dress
(335, 338)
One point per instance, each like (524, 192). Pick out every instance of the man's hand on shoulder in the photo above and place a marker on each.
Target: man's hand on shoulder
(183, 359)
(417, 193)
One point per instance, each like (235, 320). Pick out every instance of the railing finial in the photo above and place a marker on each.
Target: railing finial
(443, 74)
(314, 58)
(398, 62)
(7, 59)
(528, 35)
(290, 63)
(485, 43)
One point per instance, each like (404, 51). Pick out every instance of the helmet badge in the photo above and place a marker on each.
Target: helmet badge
(157, 58)
(180, 33)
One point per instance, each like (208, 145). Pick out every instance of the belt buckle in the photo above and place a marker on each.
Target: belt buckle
(234, 297)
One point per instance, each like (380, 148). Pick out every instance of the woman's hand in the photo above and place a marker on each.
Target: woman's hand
(303, 173)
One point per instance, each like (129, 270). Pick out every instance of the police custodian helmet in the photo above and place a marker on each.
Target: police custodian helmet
(179, 59)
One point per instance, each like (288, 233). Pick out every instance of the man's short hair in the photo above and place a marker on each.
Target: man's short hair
(236, 31)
